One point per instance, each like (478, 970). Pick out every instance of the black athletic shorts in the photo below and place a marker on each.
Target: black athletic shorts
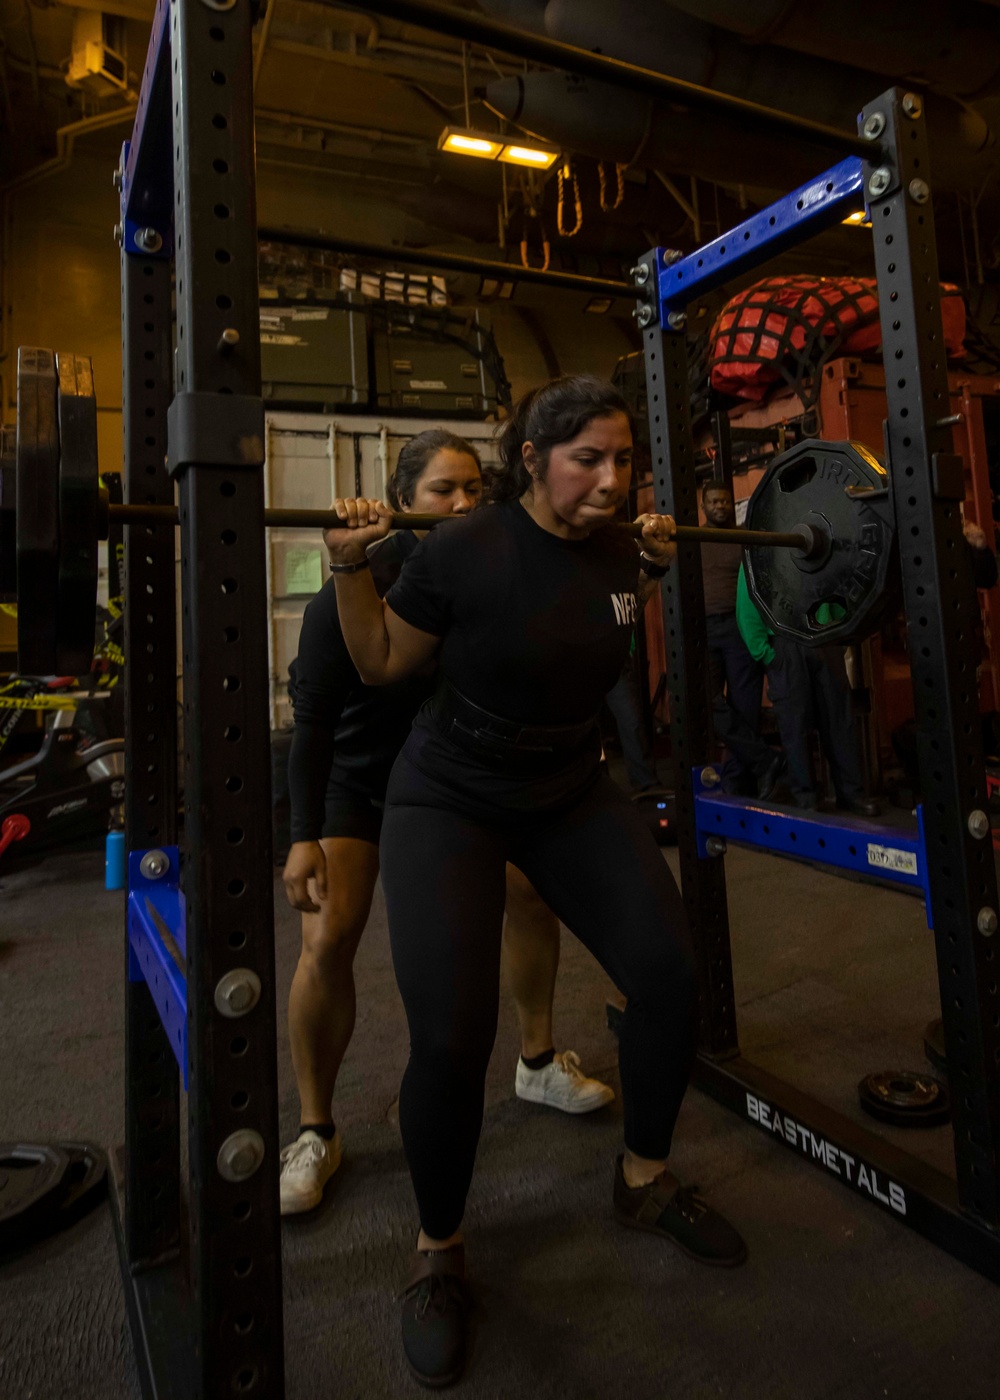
(351, 812)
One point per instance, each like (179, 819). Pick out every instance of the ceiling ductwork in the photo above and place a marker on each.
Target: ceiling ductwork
(598, 120)
(954, 48)
(522, 14)
(608, 122)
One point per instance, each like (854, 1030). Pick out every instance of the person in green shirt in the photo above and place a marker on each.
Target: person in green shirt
(810, 694)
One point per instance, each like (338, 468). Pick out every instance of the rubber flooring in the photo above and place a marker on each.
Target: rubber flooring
(837, 1301)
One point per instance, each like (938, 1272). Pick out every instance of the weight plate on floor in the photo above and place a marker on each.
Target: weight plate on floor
(76, 618)
(86, 1182)
(38, 512)
(905, 1099)
(32, 1184)
(843, 594)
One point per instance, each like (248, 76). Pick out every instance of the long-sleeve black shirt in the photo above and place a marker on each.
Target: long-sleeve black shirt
(345, 731)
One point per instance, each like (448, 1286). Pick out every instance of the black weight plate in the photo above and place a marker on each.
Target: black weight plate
(37, 512)
(78, 497)
(905, 1099)
(840, 489)
(86, 1182)
(32, 1183)
(8, 516)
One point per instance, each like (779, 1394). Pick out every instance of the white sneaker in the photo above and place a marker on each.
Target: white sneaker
(562, 1084)
(307, 1165)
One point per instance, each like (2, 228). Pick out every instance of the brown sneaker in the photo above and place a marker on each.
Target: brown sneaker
(678, 1213)
(435, 1316)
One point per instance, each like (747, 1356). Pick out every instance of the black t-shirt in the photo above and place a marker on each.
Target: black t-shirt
(346, 732)
(534, 629)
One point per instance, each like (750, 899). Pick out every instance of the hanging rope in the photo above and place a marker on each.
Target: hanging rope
(546, 245)
(620, 195)
(565, 172)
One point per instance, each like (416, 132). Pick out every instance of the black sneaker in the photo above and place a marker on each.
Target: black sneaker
(435, 1314)
(771, 776)
(678, 1213)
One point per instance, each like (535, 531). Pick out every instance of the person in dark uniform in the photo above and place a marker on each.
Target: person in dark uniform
(528, 605)
(346, 738)
(735, 678)
(809, 691)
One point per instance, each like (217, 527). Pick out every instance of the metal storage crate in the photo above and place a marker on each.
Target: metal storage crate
(417, 372)
(314, 354)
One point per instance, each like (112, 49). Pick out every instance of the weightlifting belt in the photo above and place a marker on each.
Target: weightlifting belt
(489, 736)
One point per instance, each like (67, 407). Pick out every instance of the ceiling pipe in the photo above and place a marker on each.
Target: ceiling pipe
(448, 262)
(962, 144)
(954, 48)
(681, 46)
(476, 29)
(594, 119)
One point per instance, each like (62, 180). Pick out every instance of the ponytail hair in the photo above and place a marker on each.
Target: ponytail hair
(416, 456)
(555, 413)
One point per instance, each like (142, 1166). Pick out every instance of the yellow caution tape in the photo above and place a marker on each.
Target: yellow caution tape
(38, 702)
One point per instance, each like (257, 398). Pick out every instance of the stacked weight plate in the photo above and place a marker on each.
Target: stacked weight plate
(56, 484)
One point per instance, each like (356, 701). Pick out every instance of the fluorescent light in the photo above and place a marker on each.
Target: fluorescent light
(859, 219)
(469, 143)
(485, 146)
(541, 157)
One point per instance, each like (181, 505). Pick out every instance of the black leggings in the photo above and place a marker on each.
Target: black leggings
(598, 868)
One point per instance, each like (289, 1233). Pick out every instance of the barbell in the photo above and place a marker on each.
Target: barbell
(819, 527)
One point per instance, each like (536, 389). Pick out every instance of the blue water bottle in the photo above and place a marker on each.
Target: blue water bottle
(114, 861)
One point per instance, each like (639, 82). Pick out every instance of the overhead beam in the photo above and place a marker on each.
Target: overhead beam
(478, 29)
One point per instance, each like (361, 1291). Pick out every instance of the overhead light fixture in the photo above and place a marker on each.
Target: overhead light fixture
(536, 155)
(859, 219)
(484, 145)
(469, 143)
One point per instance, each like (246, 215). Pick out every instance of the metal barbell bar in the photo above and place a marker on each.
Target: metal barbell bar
(819, 533)
(807, 538)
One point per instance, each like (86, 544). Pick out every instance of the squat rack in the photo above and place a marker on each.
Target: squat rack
(206, 1318)
(953, 851)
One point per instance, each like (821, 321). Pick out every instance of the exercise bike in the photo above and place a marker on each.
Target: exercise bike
(70, 787)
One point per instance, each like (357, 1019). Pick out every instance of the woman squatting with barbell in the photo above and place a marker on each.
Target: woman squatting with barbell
(346, 738)
(528, 606)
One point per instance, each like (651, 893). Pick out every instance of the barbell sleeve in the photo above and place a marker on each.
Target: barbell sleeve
(804, 537)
